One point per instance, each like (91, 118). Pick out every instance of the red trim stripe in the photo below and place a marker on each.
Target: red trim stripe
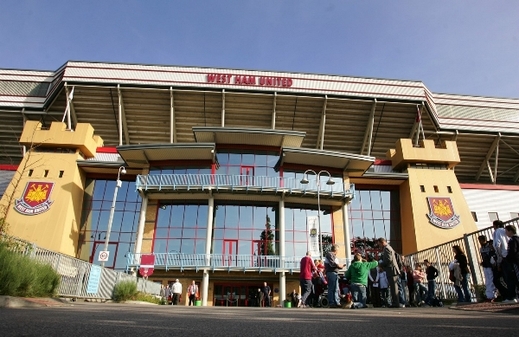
(6, 167)
(489, 187)
(106, 149)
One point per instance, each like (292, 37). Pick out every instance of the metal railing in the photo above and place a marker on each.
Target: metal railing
(440, 256)
(253, 263)
(80, 279)
(193, 182)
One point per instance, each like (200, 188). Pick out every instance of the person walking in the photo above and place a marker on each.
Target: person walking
(461, 258)
(176, 289)
(307, 269)
(332, 267)
(390, 266)
(266, 294)
(192, 292)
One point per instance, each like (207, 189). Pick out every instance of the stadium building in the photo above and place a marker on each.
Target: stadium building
(227, 176)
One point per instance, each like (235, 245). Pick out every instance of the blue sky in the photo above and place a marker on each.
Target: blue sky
(461, 47)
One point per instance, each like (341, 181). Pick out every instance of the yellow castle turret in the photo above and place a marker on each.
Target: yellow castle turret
(433, 208)
(43, 202)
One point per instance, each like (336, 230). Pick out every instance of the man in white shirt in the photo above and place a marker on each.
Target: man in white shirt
(177, 292)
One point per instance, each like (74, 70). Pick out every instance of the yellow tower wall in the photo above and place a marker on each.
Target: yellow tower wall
(46, 163)
(430, 175)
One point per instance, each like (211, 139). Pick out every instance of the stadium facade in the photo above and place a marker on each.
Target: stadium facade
(227, 177)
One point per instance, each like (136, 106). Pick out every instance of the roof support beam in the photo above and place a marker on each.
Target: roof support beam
(70, 112)
(172, 125)
(368, 134)
(486, 162)
(223, 108)
(418, 126)
(123, 126)
(273, 123)
(322, 125)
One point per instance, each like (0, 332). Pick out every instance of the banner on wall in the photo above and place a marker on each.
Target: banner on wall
(312, 226)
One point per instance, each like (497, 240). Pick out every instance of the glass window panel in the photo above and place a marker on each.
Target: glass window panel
(159, 246)
(223, 158)
(234, 158)
(174, 246)
(231, 234)
(201, 233)
(247, 159)
(246, 219)
(187, 246)
(246, 235)
(233, 170)
(231, 216)
(217, 247)
(175, 232)
(300, 236)
(190, 215)
(116, 222)
(188, 233)
(199, 247)
(260, 171)
(125, 237)
(218, 234)
(161, 233)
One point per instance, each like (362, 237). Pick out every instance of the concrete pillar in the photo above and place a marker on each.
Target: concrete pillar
(208, 244)
(140, 229)
(282, 253)
(347, 238)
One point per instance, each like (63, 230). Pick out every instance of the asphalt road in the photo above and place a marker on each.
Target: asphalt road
(108, 319)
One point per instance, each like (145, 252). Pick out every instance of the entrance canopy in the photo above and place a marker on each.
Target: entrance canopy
(355, 165)
(142, 155)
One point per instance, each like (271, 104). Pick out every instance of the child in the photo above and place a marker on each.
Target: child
(383, 284)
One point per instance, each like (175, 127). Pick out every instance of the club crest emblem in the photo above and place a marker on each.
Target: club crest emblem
(442, 213)
(313, 232)
(35, 198)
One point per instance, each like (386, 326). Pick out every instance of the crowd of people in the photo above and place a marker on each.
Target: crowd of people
(500, 263)
(387, 281)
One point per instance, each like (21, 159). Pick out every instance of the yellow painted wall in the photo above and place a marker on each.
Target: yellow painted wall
(57, 228)
(430, 174)
(416, 225)
(149, 226)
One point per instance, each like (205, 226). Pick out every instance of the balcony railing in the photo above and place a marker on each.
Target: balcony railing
(258, 263)
(194, 182)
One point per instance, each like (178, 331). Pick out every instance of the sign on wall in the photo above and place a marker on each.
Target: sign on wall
(35, 198)
(442, 212)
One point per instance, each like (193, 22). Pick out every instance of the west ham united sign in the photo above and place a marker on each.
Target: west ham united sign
(35, 198)
(442, 213)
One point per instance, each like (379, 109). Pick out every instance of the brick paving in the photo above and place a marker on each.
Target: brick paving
(496, 307)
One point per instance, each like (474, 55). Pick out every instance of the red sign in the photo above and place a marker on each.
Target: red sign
(442, 212)
(147, 265)
(250, 80)
(35, 198)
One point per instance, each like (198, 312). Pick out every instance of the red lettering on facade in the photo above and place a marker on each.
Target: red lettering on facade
(219, 78)
(265, 81)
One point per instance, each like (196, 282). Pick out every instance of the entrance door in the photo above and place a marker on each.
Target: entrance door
(230, 250)
(234, 294)
(99, 246)
(247, 175)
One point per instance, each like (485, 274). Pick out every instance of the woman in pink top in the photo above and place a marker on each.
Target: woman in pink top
(420, 289)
